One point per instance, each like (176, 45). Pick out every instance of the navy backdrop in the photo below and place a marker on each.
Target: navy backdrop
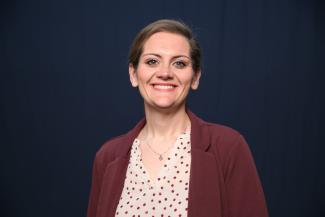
(64, 90)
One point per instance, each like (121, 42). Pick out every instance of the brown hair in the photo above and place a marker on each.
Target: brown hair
(165, 25)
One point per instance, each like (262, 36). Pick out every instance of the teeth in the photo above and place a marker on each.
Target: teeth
(165, 87)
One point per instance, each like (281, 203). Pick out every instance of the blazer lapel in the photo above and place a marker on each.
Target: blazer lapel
(115, 173)
(112, 187)
(204, 189)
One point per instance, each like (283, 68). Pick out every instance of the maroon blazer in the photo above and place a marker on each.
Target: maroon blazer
(223, 177)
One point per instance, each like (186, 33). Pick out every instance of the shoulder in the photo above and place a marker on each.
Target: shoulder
(111, 146)
(208, 132)
(213, 132)
(231, 148)
(222, 133)
(111, 150)
(217, 138)
(118, 147)
(225, 142)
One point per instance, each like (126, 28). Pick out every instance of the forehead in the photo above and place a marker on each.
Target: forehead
(167, 43)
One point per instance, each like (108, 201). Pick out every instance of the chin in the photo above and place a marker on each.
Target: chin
(165, 105)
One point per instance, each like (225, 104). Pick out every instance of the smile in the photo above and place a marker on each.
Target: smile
(164, 86)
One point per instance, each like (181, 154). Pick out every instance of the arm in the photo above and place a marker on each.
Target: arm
(245, 197)
(94, 192)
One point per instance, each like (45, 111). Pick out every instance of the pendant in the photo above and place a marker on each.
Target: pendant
(160, 157)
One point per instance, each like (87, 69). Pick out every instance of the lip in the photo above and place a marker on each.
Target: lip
(164, 86)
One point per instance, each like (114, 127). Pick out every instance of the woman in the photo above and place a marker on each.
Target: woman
(172, 163)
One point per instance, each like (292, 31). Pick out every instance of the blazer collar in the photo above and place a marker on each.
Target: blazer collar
(199, 138)
(198, 141)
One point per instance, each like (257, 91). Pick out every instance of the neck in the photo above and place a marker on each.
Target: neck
(165, 123)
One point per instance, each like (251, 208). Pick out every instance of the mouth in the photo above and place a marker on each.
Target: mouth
(164, 87)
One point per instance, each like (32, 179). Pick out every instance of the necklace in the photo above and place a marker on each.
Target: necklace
(161, 154)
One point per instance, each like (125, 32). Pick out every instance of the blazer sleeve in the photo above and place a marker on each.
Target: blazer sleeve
(245, 197)
(95, 190)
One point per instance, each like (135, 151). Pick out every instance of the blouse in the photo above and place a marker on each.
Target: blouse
(167, 194)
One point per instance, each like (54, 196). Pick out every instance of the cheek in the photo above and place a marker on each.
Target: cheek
(141, 78)
(144, 74)
(186, 78)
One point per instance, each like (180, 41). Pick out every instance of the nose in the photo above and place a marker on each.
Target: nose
(165, 72)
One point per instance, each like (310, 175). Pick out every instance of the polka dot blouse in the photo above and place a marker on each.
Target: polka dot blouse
(167, 195)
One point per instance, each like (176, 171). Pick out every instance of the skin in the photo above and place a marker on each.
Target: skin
(164, 77)
(166, 61)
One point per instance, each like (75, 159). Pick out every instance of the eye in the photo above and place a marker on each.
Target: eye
(180, 64)
(152, 62)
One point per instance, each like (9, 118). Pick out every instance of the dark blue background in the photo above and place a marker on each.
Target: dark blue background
(65, 90)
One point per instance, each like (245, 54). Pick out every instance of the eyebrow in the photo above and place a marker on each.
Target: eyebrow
(157, 55)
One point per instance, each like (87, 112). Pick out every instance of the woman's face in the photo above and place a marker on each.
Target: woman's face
(165, 74)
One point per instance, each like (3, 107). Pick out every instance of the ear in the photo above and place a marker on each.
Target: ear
(196, 80)
(133, 75)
